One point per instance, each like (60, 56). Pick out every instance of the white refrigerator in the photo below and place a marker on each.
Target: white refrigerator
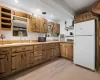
(84, 44)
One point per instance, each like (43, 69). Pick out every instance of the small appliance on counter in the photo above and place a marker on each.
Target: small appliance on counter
(41, 39)
(62, 37)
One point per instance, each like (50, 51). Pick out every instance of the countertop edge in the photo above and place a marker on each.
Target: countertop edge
(30, 44)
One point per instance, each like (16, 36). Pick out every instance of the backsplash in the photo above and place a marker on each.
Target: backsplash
(30, 36)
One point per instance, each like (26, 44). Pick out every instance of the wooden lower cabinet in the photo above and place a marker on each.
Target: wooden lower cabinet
(23, 60)
(16, 62)
(29, 58)
(44, 55)
(5, 64)
(15, 59)
(66, 50)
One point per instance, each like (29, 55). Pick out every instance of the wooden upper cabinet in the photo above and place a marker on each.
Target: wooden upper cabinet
(38, 24)
(32, 24)
(19, 13)
(43, 25)
(83, 17)
(5, 18)
(56, 28)
(96, 7)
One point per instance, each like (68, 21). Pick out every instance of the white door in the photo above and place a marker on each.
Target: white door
(85, 28)
(84, 51)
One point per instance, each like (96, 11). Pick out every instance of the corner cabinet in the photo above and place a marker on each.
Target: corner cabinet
(66, 50)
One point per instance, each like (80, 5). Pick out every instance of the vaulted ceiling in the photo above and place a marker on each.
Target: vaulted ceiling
(60, 9)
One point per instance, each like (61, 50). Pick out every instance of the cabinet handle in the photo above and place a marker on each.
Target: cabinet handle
(7, 58)
(22, 56)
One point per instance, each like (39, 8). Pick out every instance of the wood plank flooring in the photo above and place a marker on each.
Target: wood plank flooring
(60, 69)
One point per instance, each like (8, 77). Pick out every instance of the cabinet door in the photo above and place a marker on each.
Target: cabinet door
(32, 24)
(49, 51)
(23, 60)
(44, 55)
(29, 58)
(18, 13)
(5, 64)
(37, 24)
(63, 50)
(67, 51)
(16, 62)
(71, 51)
(56, 28)
(52, 53)
(41, 25)
(45, 26)
(57, 52)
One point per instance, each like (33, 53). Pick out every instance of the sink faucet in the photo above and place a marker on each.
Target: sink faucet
(2, 36)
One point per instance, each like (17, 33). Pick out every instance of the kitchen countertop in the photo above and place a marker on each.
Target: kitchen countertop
(31, 43)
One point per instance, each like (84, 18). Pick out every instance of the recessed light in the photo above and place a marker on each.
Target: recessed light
(35, 15)
(38, 10)
(51, 15)
(16, 1)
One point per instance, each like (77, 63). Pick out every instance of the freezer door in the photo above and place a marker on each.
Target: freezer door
(85, 28)
(84, 51)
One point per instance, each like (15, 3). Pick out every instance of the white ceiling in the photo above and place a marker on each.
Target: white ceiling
(79, 4)
(60, 9)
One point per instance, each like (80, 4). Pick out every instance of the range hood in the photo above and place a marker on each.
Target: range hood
(19, 26)
(19, 22)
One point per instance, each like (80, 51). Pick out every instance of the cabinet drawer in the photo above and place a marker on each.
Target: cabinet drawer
(37, 47)
(69, 45)
(29, 48)
(18, 49)
(38, 53)
(46, 46)
(5, 50)
(38, 58)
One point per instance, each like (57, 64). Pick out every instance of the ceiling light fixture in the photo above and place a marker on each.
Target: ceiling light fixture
(16, 1)
(51, 15)
(35, 15)
(38, 10)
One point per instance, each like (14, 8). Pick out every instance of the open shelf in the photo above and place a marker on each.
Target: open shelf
(6, 10)
(5, 18)
(9, 24)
